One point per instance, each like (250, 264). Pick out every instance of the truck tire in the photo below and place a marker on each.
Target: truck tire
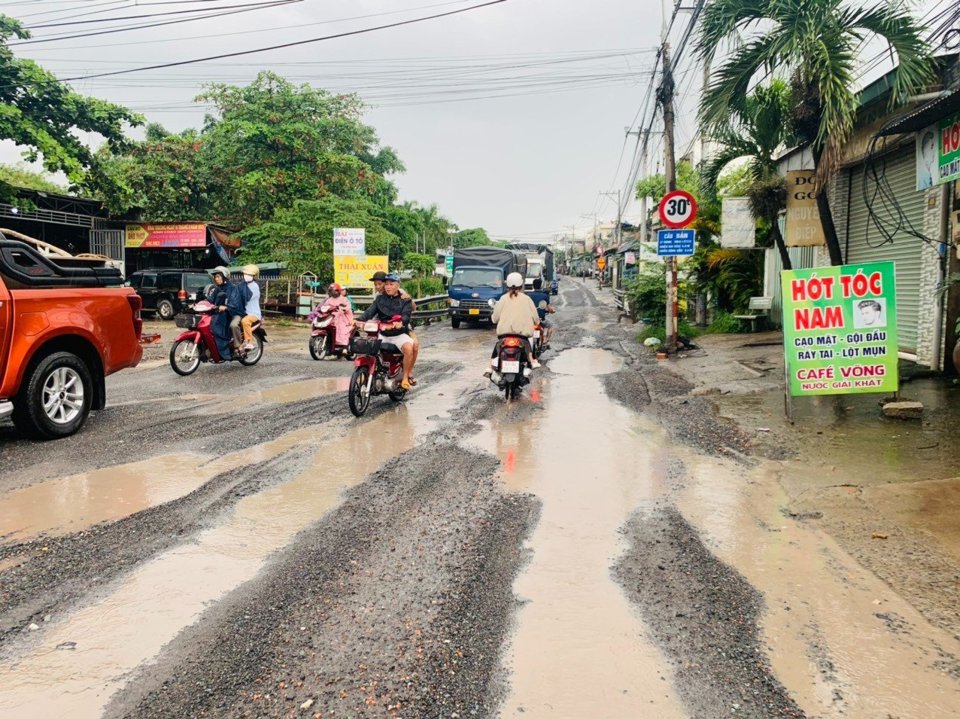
(455, 323)
(165, 310)
(55, 398)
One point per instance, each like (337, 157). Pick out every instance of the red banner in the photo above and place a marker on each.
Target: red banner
(177, 236)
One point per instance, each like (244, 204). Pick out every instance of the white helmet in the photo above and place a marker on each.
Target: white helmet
(514, 279)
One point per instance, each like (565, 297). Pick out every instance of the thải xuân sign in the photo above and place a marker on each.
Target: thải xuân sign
(840, 329)
(357, 271)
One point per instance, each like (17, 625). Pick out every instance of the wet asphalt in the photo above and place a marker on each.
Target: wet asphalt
(396, 597)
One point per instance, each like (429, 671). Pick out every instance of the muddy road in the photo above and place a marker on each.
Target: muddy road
(237, 544)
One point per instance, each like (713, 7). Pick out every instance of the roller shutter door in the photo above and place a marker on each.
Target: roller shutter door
(867, 243)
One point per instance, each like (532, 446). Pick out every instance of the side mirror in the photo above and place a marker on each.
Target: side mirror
(542, 305)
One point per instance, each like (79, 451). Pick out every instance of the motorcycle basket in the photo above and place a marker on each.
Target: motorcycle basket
(187, 322)
(365, 345)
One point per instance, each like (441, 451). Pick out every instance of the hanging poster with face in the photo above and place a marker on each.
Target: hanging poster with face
(927, 156)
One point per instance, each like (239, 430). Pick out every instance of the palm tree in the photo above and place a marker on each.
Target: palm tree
(814, 43)
(754, 131)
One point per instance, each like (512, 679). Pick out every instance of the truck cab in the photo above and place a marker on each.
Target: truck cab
(479, 275)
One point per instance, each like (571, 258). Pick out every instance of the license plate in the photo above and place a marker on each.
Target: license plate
(509, 367)
(474, 312)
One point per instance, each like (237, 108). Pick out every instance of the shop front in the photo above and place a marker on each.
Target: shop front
(179, 245)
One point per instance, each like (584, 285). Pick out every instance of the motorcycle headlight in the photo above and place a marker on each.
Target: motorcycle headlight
(454, 303)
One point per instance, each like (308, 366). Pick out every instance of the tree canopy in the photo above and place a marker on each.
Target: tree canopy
(43, 115)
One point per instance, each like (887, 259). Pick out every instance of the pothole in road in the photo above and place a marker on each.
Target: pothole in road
(584, 361)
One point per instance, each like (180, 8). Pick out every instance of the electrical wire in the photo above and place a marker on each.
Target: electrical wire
(63, 22)
(296, 43)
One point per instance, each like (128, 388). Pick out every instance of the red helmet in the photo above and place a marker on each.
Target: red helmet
(334, 290)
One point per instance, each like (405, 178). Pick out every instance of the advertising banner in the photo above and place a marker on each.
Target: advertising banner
(169, 236)
(840, 329)
(938, 153)
(357, 271)
(738, 228)
(803, 228)
(349, 242)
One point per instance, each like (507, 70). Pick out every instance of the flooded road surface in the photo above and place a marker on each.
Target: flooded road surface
(129, 626)
(567, 555)
(838, 636)
(578, 649)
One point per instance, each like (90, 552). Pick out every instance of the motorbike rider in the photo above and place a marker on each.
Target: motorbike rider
(540, 296)
(343, 317)
(385, 307)
(216, 294)
(515, 314)
(378, 280)
(238, 297)
(252, 313)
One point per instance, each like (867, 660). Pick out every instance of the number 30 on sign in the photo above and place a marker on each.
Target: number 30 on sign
(678, 209)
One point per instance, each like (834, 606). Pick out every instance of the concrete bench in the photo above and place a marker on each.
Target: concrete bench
(756, 303)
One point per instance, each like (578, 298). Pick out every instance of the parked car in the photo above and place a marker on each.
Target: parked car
(65, 324)
(167, 292)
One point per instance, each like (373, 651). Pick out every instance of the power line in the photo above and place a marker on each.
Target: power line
(63, 22)
(241, 53)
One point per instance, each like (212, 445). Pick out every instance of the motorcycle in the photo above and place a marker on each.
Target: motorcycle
(378, 368)
(509, 367)
(323, 335)
(197, 343)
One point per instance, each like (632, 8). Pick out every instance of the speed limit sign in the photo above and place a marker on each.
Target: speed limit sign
(677, 209)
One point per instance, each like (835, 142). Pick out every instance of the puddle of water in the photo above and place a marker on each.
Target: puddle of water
(932, 507)
(585, 362)
(74, 503)
(147, 609)
(833, 602)
(579, 648)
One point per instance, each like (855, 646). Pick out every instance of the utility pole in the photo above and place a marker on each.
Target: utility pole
(670, 172)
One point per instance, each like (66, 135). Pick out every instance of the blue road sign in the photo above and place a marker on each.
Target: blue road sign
(676, 243)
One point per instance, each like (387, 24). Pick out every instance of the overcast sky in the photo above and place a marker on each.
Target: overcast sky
(530, 163)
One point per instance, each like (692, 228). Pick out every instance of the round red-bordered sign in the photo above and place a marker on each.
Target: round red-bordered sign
(678, 209)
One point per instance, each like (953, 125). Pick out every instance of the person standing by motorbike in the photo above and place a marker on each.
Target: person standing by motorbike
(387, 306)
(515, 314)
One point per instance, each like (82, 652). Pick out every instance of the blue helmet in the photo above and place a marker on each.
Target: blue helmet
(392, 277)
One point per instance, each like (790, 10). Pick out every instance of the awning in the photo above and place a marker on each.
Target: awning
(925, 115)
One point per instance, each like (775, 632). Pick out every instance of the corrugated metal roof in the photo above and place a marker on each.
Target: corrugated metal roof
(925, 115)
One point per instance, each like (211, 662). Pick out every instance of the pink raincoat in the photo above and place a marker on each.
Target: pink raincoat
(342, 320)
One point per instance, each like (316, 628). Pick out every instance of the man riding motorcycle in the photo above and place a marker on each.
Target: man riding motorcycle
(540, 296)
(378, 280)
(515, 314)
(385, 307)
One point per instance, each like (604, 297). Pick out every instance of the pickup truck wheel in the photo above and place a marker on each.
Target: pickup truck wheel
(165, 310)
(55, 399)
(455, 323)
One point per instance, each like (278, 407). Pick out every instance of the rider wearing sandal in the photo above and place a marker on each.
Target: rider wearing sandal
(385, 307)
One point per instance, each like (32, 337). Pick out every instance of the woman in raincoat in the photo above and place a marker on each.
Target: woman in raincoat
(343, 319)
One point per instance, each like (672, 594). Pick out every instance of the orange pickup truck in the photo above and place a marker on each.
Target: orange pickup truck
(64, 326)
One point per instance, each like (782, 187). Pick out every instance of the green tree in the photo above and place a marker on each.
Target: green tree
(753, 132)
(471, 237)
(266, 145)
(420, 265)
(21, 176)
(816, 44)
(302, 235)
(42, 115)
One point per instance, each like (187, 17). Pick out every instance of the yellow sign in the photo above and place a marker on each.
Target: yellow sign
(602, 263)
(803, 218)
(357, 271)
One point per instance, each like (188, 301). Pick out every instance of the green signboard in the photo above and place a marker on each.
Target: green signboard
(840, 329)
(948, 164)
(450, 265)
